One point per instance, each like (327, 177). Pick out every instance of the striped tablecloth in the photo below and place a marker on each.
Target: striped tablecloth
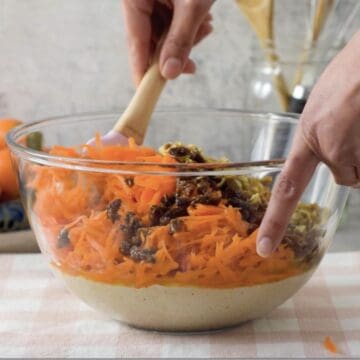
(39, 318)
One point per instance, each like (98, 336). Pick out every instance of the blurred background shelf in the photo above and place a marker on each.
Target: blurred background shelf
(18, 241)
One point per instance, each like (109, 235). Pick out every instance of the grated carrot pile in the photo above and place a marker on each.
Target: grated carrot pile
(330, 345)
(212, 248)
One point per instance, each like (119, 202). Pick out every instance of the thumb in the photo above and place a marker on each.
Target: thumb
(187, 18)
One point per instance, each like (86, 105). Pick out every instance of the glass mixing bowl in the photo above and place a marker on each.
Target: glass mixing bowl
(168, 245)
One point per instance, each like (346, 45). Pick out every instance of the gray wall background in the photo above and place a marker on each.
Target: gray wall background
(65, 56)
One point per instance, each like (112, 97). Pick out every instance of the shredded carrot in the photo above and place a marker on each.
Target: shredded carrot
(212, 248)
(330, 345)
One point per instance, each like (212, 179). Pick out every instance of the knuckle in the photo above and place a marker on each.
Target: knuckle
(343, 181)
(179, 42)
(309, 132)
(286, 188)
(135, 45)
(196, 9)
(335, 155)
(195, 5)
(141, 5)
(337, 180)
(274, 225)
(345, 177)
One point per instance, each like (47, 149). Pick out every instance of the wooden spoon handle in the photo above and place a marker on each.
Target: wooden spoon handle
(319, 17)
(135, 119)
(259, 14)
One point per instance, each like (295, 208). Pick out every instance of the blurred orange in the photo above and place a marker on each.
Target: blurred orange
(5, 126)
(8, 181)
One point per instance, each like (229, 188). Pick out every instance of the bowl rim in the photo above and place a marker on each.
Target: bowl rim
(171, 169)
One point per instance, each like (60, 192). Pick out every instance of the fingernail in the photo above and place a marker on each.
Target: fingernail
(172, 68)
(264, 247)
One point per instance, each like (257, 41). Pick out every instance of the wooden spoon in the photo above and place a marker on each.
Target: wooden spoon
(259, 13)
(321, 14)
(320, 10)
(135, 119)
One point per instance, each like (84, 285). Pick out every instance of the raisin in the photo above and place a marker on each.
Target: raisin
(156, 212)
(206, 200)
(175, 225)
(185, 188)
(63, 239)
(125, 247)
(203, 190)
(138, 254)
(168, 201)
(142, 233)
(139, 237)
(172, 214)
(184, 154)
(132, 233)
(182, 201)
(179, 151)
(131, 225)
(112, 210)
(129, 182)
(243, 206)
(197, 157)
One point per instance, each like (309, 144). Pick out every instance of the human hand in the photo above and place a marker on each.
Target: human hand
(329, 132)
(188, 21)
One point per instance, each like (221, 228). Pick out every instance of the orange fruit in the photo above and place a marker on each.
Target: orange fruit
(8, 179)
(5, 126)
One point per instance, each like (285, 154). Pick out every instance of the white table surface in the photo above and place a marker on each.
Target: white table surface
(40, 318)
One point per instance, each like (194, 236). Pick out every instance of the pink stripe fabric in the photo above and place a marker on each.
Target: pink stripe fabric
(40, 318)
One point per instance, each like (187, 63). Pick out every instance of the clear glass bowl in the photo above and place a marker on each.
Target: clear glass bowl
(281, 79)
(140, 242)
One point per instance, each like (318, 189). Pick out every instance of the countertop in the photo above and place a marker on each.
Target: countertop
(40, 318)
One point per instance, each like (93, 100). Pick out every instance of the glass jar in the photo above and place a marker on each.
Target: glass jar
(281, 80)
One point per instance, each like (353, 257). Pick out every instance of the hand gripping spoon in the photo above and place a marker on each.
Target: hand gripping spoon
(135, 119)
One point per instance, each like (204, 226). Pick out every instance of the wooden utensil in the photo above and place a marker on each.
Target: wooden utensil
(135, 119)
(259, 13)
(320, 11)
